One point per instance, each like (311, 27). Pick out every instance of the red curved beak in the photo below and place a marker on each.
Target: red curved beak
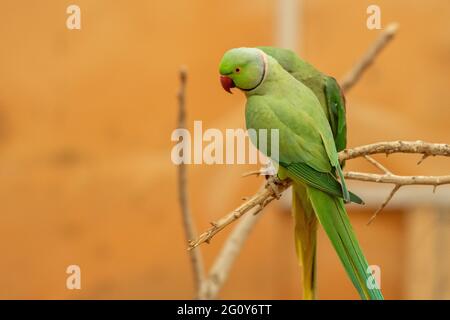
(227, 83)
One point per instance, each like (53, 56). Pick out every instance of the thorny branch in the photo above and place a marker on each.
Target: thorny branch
(427, 149)
(424, 148)
(265, 196)
(228, 254)
(254, 205)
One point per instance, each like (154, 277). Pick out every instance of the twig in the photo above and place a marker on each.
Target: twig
(256, 173)
(353, 76)
(195, 255)
(263, 197)
(227, 256)
(377, 164)
(254, 205)
(398, 180)
(384, 204)
(425, 148)
(422, 159)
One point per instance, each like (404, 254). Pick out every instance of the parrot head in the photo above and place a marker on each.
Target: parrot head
(243, 68)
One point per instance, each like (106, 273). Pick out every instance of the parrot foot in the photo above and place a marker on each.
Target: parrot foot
(272, 184)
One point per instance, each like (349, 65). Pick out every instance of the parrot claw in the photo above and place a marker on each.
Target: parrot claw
(272, 184)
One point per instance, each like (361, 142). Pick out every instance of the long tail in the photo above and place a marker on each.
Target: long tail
(333, 217)
(305, 238)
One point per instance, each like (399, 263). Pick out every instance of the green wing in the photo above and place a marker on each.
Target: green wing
(306, 148)
(336, 108)
(325, 182)
(324, 87)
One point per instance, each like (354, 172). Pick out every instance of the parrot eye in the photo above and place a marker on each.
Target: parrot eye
(237, 70)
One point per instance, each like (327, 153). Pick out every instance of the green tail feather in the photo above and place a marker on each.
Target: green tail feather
(332, 215)
(305, 239)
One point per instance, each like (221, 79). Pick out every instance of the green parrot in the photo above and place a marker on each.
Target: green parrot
(307, 154)
(332, 102)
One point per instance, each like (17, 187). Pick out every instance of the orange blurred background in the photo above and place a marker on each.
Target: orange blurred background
(85, 123)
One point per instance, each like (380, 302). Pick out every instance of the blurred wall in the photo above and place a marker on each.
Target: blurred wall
(85, 124)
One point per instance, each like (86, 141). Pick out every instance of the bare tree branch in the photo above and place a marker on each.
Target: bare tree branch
(377, 164)
(424, 148)
(227, 256)
(398, 180)
(188, 224)
(253, 205)
(355, 73)
(384, 204)
(263, 197)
